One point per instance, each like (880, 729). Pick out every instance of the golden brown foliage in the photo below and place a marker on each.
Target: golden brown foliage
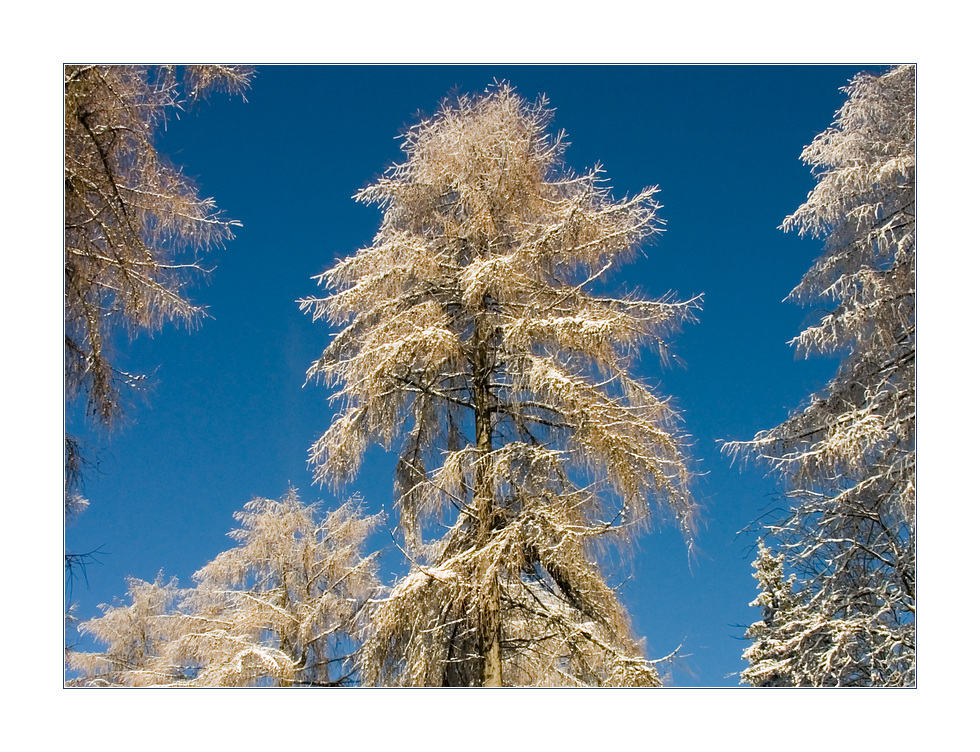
(468, 333)
(129, 217)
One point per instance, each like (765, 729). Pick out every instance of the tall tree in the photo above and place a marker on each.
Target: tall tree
(469, 334)
(285, 606)
(848, 456)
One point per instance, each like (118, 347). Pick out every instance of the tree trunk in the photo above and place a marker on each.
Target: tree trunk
(489, 616)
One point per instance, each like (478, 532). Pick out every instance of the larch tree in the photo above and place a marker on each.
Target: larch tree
(287, 604)
(470, 336)
(847, 457)
(135, 637)
(135, 227)
(284, 607)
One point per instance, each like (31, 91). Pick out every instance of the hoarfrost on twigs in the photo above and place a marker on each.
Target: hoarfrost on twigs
(848, 455)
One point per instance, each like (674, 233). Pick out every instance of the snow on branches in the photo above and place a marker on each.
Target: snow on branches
(848, 456)
(128, 216)
(467, 335)
(285, 606)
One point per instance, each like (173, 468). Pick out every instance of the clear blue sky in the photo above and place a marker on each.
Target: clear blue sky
(228, 417)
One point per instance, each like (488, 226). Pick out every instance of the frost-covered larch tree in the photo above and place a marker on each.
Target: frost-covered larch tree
(135, 227)
(470, 337)
(135, 637)
(286, 604)
(285, 607)
(848, 455)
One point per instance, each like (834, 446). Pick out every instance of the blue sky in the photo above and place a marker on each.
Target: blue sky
(228, 417)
